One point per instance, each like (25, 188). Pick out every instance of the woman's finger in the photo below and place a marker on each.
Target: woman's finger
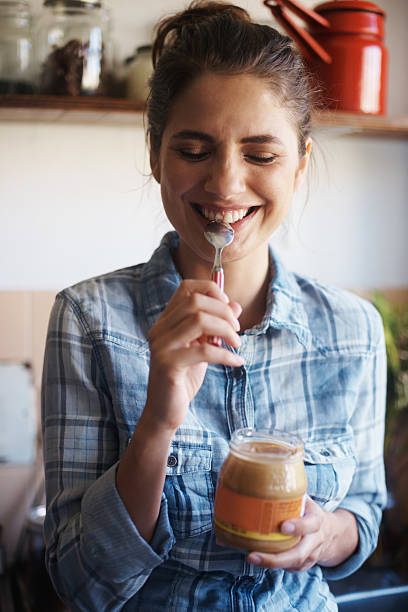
(306, 553)
(309, 523)
(294, 559)
(196, 303)
(192, 327)
(205, 287)
(204, 352)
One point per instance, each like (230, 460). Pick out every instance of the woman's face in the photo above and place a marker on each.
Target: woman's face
(229, 151)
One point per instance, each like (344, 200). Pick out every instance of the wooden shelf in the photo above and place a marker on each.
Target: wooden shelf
(368, 125)
(127, 111)
(70, 109)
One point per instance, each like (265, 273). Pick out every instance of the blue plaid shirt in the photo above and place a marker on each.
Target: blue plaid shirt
(314, 366)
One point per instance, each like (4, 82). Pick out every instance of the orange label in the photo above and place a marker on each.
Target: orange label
(254, 517)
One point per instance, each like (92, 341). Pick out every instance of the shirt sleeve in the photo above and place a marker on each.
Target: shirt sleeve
(94, 554)
(367, 494)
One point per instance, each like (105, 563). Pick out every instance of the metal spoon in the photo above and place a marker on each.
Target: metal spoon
(219, 235)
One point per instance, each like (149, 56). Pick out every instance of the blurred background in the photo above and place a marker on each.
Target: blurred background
(77, 200)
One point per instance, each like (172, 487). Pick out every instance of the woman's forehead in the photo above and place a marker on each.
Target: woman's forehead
(242, 106)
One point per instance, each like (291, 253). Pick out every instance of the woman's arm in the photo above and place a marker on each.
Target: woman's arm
(101, 514)
(341, 541)
(178, 362)
(93, 551)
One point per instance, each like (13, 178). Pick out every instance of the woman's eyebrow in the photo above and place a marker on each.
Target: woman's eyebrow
(256, 139)
(193, 135)
(262, 139)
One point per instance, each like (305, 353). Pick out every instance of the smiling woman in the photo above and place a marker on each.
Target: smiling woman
(222, 156)
(139, 407)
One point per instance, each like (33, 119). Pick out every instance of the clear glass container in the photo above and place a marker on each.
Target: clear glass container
(262, 483)
(15, 48)
(139, 68)
(73, 48)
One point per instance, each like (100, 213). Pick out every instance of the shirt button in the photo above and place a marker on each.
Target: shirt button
(325, 453)
(238, 372)
(172, 461)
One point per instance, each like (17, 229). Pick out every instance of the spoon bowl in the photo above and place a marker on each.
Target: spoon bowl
(219, 235)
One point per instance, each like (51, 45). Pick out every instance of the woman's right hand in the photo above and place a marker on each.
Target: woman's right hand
(180, 352)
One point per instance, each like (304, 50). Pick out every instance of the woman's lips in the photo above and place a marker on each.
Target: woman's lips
(233, 217)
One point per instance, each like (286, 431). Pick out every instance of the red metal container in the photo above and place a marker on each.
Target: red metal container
(344, 46)
(356, 78)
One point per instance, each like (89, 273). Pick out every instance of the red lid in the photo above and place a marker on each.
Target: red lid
(349, 5)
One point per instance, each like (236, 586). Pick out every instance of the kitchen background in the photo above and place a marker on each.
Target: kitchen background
(76, 200)
(74, 196)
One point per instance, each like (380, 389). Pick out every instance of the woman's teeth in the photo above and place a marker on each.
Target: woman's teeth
(229, 216)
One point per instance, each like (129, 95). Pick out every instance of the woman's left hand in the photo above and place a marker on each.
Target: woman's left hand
(326, 538)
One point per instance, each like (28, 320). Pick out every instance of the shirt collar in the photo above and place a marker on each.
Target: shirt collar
(160, 278)
(284, 309)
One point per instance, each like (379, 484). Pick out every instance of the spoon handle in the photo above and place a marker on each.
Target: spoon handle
(217, 277)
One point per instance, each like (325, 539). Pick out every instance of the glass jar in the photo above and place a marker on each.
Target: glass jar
(73, 48)
(139, 68)
(262, 483)
(15, 48)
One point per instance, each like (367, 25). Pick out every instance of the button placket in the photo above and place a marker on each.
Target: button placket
(239, 400)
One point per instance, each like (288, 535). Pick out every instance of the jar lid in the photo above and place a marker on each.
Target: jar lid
(74, 3)
(266, 445)
(143, 48)
(349, 5)
(23, 4)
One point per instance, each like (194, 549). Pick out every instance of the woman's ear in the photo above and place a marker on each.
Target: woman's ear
(154, 162)
(303, 165)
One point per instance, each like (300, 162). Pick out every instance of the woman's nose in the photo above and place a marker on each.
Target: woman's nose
(225, 178)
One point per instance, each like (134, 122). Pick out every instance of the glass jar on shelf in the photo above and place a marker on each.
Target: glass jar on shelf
(139, 68)
(73, 49)
(15, 48)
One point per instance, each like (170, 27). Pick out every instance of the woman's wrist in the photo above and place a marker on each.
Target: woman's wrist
(150, 426)
(341, 537)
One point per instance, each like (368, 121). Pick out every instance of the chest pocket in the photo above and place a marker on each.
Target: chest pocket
(189, 488)
(330, 467)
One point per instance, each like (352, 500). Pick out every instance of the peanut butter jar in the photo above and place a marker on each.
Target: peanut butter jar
(262, 483)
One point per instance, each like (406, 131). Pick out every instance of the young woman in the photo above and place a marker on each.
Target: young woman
(138, 407)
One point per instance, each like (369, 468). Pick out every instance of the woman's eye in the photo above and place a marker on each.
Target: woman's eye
(261, 158)
(193, 156)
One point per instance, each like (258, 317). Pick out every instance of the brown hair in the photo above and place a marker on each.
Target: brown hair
(216, 37)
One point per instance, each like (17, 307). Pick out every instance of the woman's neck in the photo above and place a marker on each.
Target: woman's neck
(248, 285)
(246, 282)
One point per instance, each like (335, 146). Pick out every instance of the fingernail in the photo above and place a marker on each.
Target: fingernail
(237, 325)
(225, 297)
(287, 528)
(255, 559)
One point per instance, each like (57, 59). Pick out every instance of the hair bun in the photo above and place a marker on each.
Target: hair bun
(169, 29)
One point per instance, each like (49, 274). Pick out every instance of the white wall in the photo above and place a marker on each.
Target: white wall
(75, 199)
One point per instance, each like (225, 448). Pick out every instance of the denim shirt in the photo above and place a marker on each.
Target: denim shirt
(314, 366)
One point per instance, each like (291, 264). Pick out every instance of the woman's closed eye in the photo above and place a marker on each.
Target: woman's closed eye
(193, 155)
(261, 158)
(258, 158)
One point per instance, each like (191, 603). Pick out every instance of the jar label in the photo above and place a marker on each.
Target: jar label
(254, 517)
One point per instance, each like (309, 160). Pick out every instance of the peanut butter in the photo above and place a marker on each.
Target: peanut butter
(261, 483)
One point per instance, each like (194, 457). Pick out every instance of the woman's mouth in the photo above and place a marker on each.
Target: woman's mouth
(226, 216)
